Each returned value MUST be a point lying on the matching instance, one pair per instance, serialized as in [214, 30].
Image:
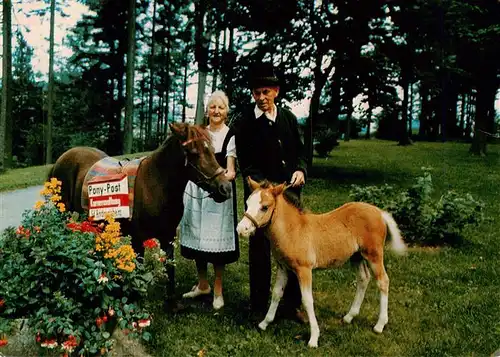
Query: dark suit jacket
[270, 151]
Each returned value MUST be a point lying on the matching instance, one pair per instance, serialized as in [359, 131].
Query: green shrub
[73, 281]
[421, 219]
[324, 142]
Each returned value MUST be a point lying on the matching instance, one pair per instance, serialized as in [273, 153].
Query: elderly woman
[208, 229]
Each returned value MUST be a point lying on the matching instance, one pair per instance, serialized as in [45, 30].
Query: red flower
[23, 231]
[150, 243]
[2, 302]
[70, 344]
[3, 342]
[98, 322]
[38, 338]
[85, 226]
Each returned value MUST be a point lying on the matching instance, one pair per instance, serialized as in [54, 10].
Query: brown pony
[303, 241]
[159, 185]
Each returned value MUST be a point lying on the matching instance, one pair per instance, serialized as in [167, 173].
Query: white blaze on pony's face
[260, 207]
[246, 227]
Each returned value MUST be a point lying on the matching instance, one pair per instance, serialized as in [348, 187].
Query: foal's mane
[288, 195]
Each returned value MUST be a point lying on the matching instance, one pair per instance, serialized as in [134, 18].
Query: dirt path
[14, 203]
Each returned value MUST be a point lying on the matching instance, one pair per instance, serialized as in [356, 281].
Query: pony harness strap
[108, 187]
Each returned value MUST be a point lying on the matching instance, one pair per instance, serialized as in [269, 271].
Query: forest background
[415, 70]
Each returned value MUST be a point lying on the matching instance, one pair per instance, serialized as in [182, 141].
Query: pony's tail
[397, 243]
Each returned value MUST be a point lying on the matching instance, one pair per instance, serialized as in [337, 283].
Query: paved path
[14, 203]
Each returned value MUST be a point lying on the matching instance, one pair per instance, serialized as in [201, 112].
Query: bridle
[254, 221]
[206, 177]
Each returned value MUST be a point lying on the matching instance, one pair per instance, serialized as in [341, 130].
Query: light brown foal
[303, 241]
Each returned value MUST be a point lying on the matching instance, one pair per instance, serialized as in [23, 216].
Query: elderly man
[269, 147]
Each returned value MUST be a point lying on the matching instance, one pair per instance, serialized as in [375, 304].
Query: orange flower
[3, 342]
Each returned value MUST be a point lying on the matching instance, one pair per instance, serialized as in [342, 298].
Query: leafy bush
[324, 142]
[422, 219]
[73, 281]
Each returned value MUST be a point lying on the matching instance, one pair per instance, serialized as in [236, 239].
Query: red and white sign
[109, 194]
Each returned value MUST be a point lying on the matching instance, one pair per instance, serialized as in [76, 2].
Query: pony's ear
[253, 184]
[277, 190]
[179, 130]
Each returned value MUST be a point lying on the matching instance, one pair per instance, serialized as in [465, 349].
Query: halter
[219, 171]
[254, 221]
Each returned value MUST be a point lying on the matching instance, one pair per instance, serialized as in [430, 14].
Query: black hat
[262, 75]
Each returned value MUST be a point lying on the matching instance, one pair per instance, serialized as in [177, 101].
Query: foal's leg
[278, 289]
[362, 283]
[305, 281]
[380, 274]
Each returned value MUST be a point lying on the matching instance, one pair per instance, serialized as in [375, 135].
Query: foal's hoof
[348, 319]
[263, 326]
[378, 329]
[313, 344]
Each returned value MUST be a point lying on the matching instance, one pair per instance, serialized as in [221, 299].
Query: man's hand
[298, 179]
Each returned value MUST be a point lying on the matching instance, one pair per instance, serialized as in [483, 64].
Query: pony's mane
[288, 195]
[197, 136]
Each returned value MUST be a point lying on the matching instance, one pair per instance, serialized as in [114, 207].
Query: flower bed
[73, 280]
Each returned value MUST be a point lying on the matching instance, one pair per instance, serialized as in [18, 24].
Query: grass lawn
[442, 302]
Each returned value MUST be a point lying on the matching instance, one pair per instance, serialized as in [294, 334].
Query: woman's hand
[230, 175]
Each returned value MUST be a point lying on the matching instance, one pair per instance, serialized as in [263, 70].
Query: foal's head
[260, 206]
[202, 166]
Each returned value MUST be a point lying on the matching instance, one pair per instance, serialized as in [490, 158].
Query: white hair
[218, 94]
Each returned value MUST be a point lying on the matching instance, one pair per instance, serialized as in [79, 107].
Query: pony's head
[260, 206]
[201, 164]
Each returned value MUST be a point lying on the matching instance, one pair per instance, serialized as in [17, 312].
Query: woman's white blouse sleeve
[231, 147]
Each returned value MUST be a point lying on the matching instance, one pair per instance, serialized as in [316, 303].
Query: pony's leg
[278, 289]
[305, 281]
[377, 266]
[362, 283]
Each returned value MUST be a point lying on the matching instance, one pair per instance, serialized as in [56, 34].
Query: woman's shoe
[218, 302]
[195, 291]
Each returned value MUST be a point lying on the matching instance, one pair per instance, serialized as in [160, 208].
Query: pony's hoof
[313, 344]
[348, 318]
[263, 326]
[218, 302]
[378, 328]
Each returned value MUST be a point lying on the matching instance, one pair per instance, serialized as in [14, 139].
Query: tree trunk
[463, 105]
[129, 108]
[184, 85]
[424, 108]
[167, 88]
[202, 38]
[149, 121]
[50, 112]
[229, 63]
[5, 113]
[369, 122]
[347, 136]
[485, 112]
[215, 69]
[404, 139]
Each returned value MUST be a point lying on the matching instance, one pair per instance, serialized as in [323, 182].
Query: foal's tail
[397, 243]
